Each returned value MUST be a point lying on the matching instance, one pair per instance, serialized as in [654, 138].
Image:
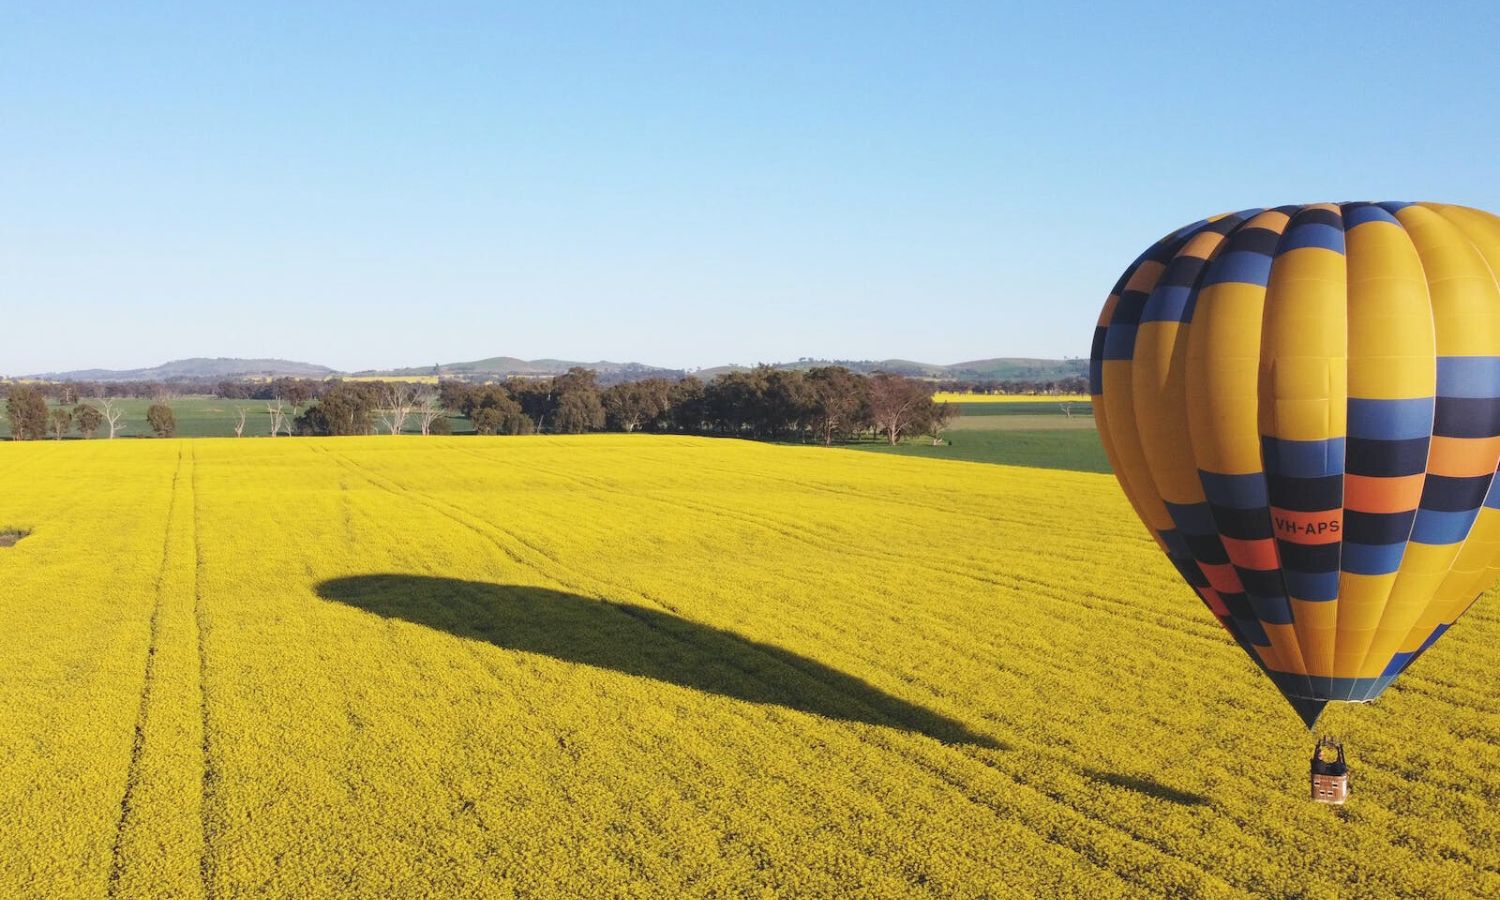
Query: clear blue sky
[688, 184]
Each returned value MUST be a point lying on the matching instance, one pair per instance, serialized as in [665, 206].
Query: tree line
[30, 417]
[823, 404]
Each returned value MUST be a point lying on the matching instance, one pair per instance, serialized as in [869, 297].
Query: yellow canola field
[659, 666]
[955, 397]
[410, 379]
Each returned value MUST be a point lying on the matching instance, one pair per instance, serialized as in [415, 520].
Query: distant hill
[197, 367]
[998, 369]
[505, 366]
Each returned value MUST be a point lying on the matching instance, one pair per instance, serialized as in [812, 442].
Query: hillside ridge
[996, 368]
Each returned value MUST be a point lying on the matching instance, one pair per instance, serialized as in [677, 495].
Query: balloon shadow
[1148, 787]
[639, 641]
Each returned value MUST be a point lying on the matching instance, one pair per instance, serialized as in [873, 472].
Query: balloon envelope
[1303, 406]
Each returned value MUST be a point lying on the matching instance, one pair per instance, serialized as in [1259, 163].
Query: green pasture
[1047, 436]
[196, 417]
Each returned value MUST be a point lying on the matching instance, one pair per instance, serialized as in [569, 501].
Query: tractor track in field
[1173, 624]
[947, 509]
[143, 711]
[794, 533]
[488, 664]
[1178, 625]
[789, 532]
[209, 797]
[971, 771]
[1041, 519]
[963, 754]
[577, 581]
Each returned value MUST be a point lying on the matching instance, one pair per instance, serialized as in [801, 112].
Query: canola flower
[958, 397]
[409, 379]
[663, 666]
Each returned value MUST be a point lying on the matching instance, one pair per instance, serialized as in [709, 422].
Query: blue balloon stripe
[1357, 214]
[1468, 376]
[1386, 459]
[1439, 527]
[1315, 235]
[1235, 491]
[1096, 361]
[1167, 304]
[1240, 267]
[1119, 343]
[1315, 586]
[1390, 420]
[1373, 559]
[1192, 518]
[1303, 459]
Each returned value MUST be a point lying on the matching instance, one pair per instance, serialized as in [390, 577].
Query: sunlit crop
[411, 379]
[635, 665]
[955, 397]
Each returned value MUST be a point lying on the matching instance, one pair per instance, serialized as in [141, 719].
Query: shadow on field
[637, 641]
[1149, 787]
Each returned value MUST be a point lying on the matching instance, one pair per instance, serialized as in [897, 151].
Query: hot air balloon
[1303, 406]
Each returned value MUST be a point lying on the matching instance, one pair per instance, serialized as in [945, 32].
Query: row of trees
[31, 419]
[825, 404]
[69, 393]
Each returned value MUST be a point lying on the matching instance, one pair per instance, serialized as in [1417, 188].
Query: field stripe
[1011, 583]
[577, 580]
[138, 742]
[208, 787]
[157, 844]
[957, 639]
[769, 720]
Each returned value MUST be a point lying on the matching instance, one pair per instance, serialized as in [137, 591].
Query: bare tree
[898, 403]
[939, 418]
[429, 408]
[396, 401]
[295, 392]
[281, 419]
[239, 423]
[112, 416]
